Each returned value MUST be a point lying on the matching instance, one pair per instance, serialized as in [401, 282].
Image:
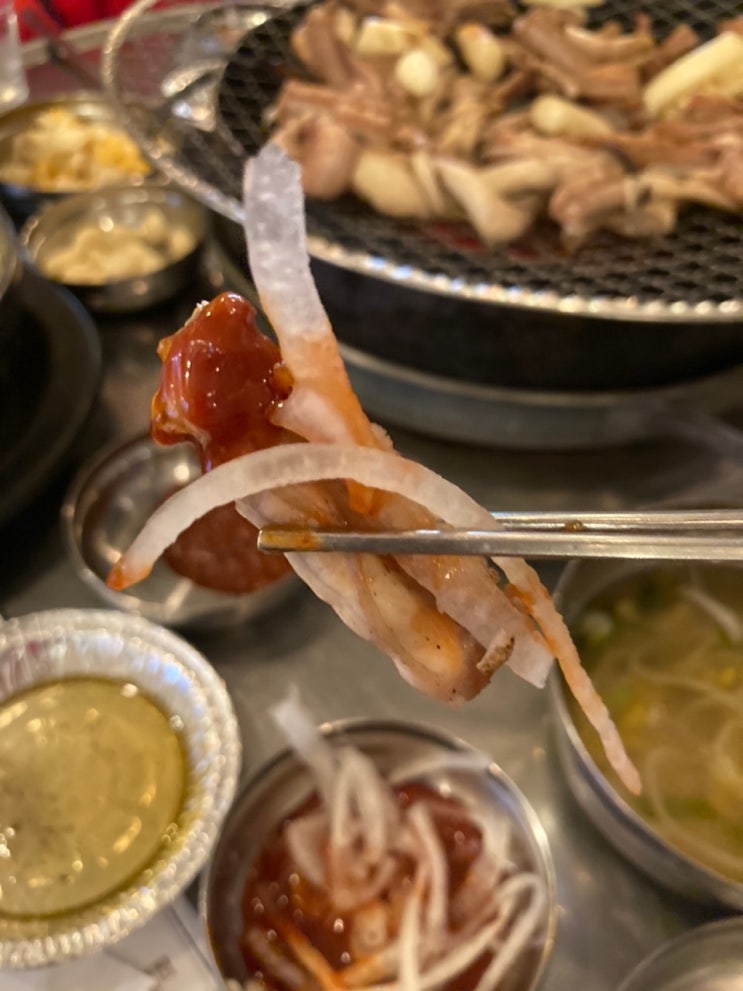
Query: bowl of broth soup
[663, 644]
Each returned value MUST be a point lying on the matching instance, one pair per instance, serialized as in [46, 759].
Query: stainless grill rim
[599, 306]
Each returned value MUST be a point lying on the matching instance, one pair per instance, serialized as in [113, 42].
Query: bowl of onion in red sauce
[381, 855]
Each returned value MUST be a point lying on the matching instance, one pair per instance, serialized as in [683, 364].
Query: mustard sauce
[92, 782]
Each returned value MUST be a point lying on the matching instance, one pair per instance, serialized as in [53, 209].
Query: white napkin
[168, 954]
[172, 949]
[98, 973]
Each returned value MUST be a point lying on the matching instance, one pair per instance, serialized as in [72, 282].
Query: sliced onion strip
[521, 932]
[322, 405]
[370, 793]
[294, 464]
[455, 961]
[342, 828]
[436, 911]
[305, 838]
[274, 226]
[293, 720]
[410, 942]
[720, 614]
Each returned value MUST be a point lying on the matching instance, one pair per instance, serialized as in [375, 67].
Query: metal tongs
[667, 535]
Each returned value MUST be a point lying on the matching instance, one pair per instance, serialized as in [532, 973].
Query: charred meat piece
[445, 13]
[579, 62]
[326, 151]
[454, 110]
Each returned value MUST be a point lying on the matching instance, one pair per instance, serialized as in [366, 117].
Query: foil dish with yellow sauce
[92, 782]
[119, 755]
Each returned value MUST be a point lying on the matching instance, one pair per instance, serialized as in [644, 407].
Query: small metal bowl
[630, 834]
[119, 206]
[107, 505]
[285, 783]
[23, 201]
[708, 958]
[66, 643]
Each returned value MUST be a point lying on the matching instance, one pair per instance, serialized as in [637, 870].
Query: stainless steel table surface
[610, 916]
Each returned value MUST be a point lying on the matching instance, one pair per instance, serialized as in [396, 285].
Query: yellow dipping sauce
[665, 650]
[92, 781]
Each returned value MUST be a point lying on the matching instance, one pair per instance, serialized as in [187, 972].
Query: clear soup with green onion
[665, 650]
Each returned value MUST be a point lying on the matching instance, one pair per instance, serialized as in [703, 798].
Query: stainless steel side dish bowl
[399, 802]
[664, 646]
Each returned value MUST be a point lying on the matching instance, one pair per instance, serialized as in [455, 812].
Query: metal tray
[610, 916]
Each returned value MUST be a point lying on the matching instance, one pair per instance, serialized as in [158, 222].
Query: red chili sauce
[278, 901]
[219, 551]
[221, 379]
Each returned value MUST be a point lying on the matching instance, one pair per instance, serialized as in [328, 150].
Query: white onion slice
[410, 938]
[305, 839]
[294, 464]
[523, 929]
[456, 959]
[369, 794]
[307, 742]
[273, 226]
[438, 874]
[322, 405]
[342, 829]
[725, 618]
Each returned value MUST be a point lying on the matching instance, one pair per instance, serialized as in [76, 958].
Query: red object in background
[67, 13]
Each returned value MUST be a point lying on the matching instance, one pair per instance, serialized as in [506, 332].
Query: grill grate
[693, 274]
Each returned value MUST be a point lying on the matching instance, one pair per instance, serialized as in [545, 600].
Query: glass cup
[13, 86]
